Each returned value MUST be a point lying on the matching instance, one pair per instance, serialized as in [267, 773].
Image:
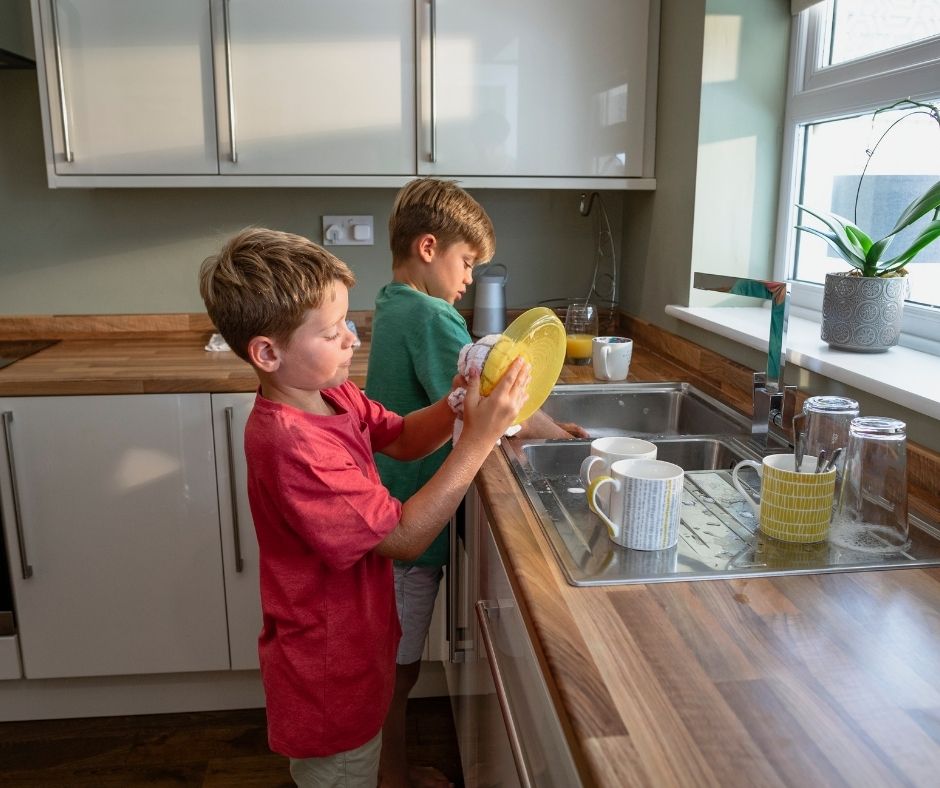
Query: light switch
[347, 231]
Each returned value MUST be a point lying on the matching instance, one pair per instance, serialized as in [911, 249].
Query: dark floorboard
[217, 749]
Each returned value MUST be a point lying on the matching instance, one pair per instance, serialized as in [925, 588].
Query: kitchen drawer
[527, 709]
[10, 666]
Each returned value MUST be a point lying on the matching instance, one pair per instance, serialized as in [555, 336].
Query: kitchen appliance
[489, 301]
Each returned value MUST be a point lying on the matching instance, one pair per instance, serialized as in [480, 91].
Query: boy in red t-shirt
[326, 526]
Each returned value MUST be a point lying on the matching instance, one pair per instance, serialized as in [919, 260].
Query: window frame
[816, 93]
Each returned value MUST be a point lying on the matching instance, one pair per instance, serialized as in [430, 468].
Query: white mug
[645, 503]
[606, 451]
[611, 357]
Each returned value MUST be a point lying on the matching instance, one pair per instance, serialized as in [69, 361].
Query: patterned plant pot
[862, 313]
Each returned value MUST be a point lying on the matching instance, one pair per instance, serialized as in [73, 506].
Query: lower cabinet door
[112, 527]
[239, 544]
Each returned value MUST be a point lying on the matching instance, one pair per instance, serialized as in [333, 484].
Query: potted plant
[862, 308]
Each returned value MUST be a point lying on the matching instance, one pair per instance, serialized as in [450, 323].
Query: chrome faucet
[773, 402]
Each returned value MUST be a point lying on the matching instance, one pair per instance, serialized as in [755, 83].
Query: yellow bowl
[539, 337]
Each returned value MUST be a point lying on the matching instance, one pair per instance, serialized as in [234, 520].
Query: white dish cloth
[473, 356]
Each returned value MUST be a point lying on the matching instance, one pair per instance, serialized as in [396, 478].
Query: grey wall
[74, 251]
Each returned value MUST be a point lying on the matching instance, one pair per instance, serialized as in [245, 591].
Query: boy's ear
[264, 354]
[426, 246]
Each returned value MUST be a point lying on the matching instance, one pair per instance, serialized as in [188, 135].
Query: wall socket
[348, 231]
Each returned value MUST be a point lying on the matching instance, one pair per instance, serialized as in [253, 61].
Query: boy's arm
[426, 512]
[541, 425]
[424, 431]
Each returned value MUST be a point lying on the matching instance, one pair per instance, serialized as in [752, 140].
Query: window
[848, 59]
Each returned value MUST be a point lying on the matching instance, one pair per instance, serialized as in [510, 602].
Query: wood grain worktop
[802, 680]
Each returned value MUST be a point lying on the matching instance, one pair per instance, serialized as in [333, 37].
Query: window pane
[864, 27]
[905, 165]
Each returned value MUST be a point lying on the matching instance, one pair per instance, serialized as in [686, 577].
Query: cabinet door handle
[432, 41]
[230, 442]
[60, 79]
[454, 653]
[229, 89]
[25, 568]
[483, 609]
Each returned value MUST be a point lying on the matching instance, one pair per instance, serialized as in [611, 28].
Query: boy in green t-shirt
[437, 234]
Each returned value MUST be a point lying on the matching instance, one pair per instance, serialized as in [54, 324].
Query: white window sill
[904, 376]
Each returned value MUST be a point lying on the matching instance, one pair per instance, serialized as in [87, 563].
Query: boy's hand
[489, 417]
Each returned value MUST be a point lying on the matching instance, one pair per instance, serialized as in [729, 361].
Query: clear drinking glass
[825, 422]
[871, 515]
[580, 328]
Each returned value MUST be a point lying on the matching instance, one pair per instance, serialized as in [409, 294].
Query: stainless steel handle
[25, 568]
[454, 652]
[230, 90]
[230, 440]
[483, 609]
[431, 44]
[60, 79]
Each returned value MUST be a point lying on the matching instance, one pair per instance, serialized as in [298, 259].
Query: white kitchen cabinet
[239, 544]
[127, 86]
[545, 88]
[507, 728]
[316, 88]
[529, 94]
[112, 527]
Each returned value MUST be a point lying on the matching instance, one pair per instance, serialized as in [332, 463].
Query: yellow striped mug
[793, 506]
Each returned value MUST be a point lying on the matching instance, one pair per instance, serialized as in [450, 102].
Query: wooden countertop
[799, 680]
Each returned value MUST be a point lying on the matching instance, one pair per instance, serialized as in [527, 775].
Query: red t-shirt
[330, 628]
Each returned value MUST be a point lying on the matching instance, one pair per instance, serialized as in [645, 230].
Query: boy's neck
[307, 401]
[410, 273]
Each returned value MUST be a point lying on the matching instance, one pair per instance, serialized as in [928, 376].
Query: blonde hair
[262, 283]
[443, 209]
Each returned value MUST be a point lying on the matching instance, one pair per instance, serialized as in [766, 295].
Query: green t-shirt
[415, 342]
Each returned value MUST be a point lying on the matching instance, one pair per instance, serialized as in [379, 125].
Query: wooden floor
[223, 748]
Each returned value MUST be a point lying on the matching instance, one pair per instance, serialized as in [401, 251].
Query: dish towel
[473, 356]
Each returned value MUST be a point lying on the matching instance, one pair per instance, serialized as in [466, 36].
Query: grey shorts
[357, 768]
[415, 592]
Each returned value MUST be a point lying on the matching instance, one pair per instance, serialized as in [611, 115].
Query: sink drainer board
[718, 536]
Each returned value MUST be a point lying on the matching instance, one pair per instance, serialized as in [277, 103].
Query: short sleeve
[383, 424]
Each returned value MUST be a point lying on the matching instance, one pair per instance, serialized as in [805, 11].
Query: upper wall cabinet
[128, 87]
[534, 88]
[533, 93]
[324, 88]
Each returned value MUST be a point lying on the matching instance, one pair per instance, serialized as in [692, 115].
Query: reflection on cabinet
[129, 86]
[112, 531]
[534, 87]
[316, 88]
[535, 93]
[239, 545]
[507, 727]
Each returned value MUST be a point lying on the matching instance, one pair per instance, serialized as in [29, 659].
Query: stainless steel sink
[644, 409]
[719, 537]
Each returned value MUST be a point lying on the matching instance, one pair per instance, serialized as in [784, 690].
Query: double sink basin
[719, 535]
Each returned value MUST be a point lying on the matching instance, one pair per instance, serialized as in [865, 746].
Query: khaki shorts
[357, 768]
[415, 592]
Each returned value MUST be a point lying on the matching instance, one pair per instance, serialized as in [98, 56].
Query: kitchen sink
[719, 535]
[643, 409]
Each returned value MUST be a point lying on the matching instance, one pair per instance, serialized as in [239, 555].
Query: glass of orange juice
[580, 328]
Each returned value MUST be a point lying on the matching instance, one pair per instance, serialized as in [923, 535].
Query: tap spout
[778, 295]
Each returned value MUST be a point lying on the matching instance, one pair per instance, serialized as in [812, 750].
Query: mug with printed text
[645, 503]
